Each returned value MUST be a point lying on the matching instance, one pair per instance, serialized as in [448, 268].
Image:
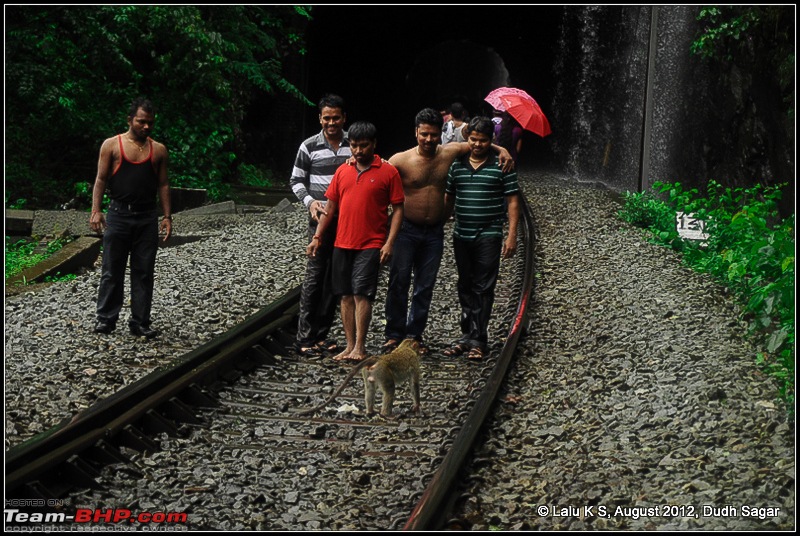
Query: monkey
[386, 372]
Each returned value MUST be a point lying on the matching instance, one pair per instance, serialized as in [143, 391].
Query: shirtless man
[420, 243]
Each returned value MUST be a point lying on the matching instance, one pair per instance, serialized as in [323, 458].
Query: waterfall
[601, 75]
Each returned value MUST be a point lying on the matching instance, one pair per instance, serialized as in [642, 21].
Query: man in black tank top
[133, 167]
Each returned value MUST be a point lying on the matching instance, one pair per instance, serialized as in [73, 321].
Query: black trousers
[317, 302]
[478, 263]
[131, 235]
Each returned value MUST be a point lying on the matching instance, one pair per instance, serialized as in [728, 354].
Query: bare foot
[356, 356]
[344, 356]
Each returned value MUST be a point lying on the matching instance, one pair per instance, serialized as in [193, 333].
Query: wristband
[167, 218]
[317, 237]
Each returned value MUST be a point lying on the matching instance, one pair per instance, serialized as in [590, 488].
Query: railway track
[226, 416]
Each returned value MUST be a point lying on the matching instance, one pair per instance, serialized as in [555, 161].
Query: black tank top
[134, 182]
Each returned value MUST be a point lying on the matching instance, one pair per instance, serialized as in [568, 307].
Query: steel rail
[429, 513]
[108, 417]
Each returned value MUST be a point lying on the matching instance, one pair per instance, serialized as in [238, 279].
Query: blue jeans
[131, 235]
[417, 250]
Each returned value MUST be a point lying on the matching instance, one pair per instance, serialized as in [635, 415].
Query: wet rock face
[636, 390]
[726, 119]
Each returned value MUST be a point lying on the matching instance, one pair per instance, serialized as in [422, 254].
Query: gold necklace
[140, 147]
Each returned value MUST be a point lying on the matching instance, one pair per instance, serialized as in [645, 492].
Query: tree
[72, 71]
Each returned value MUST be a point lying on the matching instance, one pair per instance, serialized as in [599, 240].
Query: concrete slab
[80, 253]
[19, 222]
[61, 222]
[225, 207]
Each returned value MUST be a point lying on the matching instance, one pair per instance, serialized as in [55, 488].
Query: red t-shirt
[363, 199]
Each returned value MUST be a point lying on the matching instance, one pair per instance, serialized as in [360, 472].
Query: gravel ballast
[636, 403]
[636, 387]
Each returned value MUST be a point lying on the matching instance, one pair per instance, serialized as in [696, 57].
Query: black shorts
[355, 271]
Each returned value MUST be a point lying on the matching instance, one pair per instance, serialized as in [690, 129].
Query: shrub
[749, 249]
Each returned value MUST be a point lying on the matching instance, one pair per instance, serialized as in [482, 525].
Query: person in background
[445, 114]
[509, 135]
[479, 192]
[360, 194]
[317, 160]
[133, 167]
[452, 129]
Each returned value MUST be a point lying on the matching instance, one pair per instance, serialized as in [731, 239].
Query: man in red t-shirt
[360, 192]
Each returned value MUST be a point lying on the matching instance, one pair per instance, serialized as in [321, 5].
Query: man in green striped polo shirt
[480, 194]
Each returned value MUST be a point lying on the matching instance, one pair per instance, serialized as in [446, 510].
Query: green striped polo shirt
[480, 194]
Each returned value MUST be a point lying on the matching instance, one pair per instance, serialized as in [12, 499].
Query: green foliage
[749, 249]
[59, 278]
[723, 26]
[22, 254]
[647, 211]
[250, 175]
[71, 72]
[19, 204]
[760, 39]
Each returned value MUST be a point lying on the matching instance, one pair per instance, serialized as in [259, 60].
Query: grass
[21, 255]
[749, 250]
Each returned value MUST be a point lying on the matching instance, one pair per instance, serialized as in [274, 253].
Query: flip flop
[327, 346]
[307, 351]
[390, 345]
[456, 350]
[475, 353]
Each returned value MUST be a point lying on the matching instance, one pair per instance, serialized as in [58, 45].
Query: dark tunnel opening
[388, 62]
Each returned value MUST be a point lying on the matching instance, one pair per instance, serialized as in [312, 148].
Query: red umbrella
[521, 107]
[493, 97]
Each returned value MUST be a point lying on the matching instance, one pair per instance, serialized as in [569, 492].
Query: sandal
[307, 351]
[390, 345]
[475, 353]
[327, 346]
[456, 350]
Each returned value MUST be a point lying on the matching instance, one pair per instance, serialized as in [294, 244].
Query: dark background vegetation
[235, 86]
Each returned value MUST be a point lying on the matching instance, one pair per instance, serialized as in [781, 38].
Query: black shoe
[143, 331]
[103, 327]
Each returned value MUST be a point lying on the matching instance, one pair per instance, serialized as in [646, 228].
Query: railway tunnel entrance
[627, 101]
[388, 62]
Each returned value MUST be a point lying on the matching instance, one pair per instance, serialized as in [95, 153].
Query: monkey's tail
[367, 362]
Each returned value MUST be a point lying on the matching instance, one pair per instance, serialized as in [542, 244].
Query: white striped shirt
[314, 166]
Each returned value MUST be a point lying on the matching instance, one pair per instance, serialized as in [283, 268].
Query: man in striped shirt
[478, 191]
[317, 160]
